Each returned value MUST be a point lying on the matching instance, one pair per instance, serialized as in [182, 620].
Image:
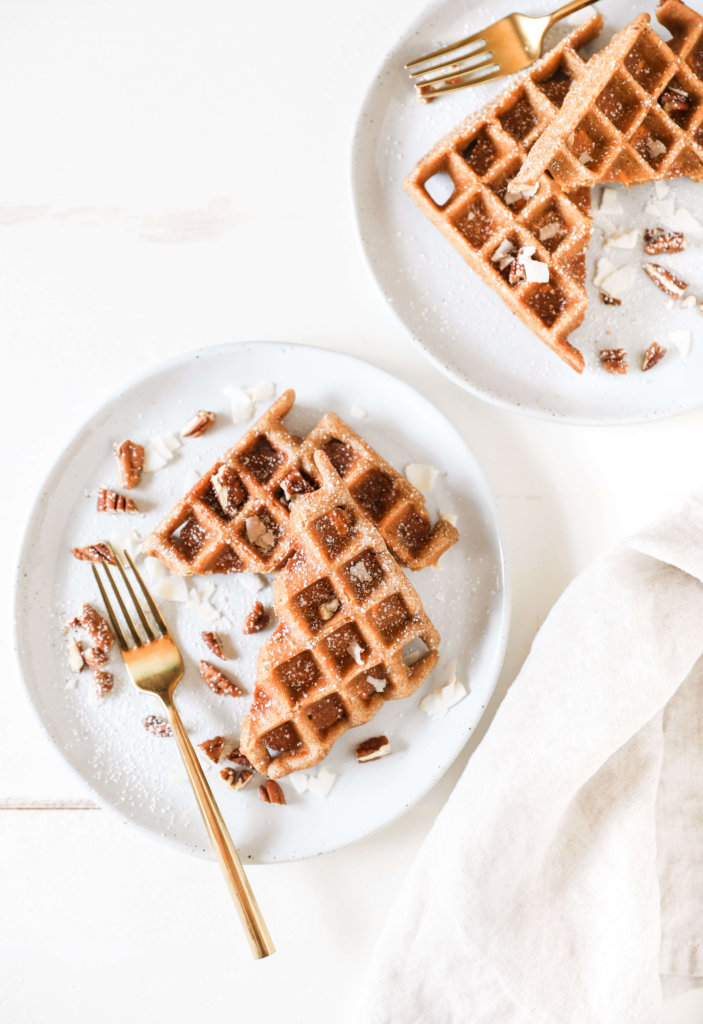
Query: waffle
[349, 620]
[261, 475]
[481, 156]
[637, 115]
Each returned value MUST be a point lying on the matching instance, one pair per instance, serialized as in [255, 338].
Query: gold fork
[155, 666]
[509, 45]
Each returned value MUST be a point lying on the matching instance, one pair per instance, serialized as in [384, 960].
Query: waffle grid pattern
[198, 537]
[481, 156]
[310, 686]
[616, 120]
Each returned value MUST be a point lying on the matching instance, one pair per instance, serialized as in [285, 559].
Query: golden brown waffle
[481, 156]
[262, 473]
[636, 116]
[395, 506]
[349, 620]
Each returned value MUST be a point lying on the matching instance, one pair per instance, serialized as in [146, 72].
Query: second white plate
[460, 323]
[141, 777]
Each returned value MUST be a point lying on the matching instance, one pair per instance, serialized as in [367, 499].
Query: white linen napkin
[565, 873]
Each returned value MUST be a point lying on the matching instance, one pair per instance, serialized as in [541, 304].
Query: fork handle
[566, 10]
[232, 869]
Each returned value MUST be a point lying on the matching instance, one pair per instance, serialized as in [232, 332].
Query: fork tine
[111, 615]
[487, 63]
[142, 617]
[462, 85]
[451, 62]
[149, 599]
[478, 37]
[136, 637]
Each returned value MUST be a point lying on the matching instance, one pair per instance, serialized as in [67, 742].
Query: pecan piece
[111, 501]
[213, 748]
[130, 459]
[95, 626]
[609, 300]
[104, 682]
[669, 283]
[239, 758]
[95, 657]
[614, 360]
[271, 793]
[372, 749]
[157, 726]
[295, 484]
[198, 424]
[229, 490]
[659, 240]
[237, 780]
[674, 101]
[94, 553]
[328, 609]
[218, 681]
[256, 620]
[652, 356]
[212, 641]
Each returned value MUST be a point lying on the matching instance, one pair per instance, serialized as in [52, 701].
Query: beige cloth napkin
[564, 876]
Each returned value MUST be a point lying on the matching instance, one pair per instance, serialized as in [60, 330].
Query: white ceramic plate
[141, 777]
[461, 323]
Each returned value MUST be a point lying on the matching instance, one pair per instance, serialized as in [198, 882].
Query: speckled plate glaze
[141, 777]
[459, 322]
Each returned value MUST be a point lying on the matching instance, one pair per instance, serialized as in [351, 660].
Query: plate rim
[356, 191]
[30, 690]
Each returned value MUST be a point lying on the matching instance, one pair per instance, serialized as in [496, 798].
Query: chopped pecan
[94, 553]
[614, 360]
[103, 682]
[239, 758]
[669, 283]
[212, 641]
[372, 749]
[95, 657]
[609, 300]
[658, 240]
[95, 626]
[229, 489]
[516, 271]
[130, 459]
[213, 748]
[271, 793]
[294, 485]
[328, 609]
[111, 501]
[652, 356]
[256, 620]
[198, 424]
[157, 726]
[218, 681]
[674, 101]
[237, 780]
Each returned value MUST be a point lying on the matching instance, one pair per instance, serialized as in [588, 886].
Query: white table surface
[175, 175]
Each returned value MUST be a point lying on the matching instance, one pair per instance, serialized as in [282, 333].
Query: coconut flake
[262, 392]
[437, 703]
[603, 269]
[73, 652]
[299, 781]
[449, 517]
[661, 189]
[610, 202]
[623, 240]
[129, 541]
[684, 221]
[159, 450]
[252, 582]
[156, 570]
[504, 254]
[655, 147]
[586, 157]
[192, 478]
[354, 651]
[357, 412]
[689, 302]
[172, 588]
[535, 270]
[379, 683]
[549, 230]
[682, 341]
[322, 785]
[421, 476]
[662, 210]
[619, 282]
